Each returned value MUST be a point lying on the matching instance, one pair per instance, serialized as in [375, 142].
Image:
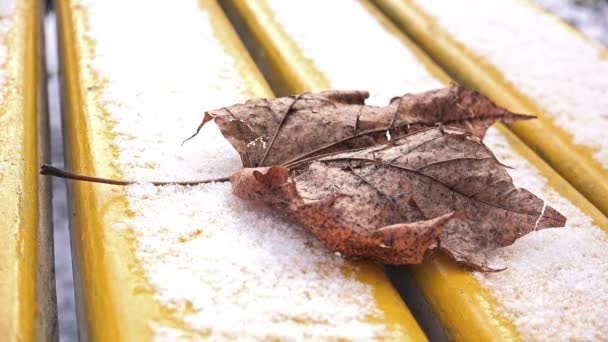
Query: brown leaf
[377, 182]
[279, 131]
[436, 188]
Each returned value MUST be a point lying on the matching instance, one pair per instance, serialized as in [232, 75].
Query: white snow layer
[7, 8]
[352, 48]
[231, 269]
[556, 286]
[558, 69]
[242, 271]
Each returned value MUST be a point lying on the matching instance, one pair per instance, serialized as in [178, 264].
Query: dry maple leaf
[436, 188]
[277, 131]
[326, 160]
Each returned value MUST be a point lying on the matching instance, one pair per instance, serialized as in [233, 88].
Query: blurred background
[589, 16]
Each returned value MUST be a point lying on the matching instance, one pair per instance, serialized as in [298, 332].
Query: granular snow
[226, 261]
[562, 72]
[352, 48]
[556, 286]
[231, 269]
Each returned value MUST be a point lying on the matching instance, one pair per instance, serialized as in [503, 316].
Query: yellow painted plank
[115, 298]
[27, 302]
[553, 143]
[466, 309]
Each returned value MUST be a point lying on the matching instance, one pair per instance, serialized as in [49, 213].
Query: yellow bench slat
[117, 296]
[556, 144]
[467, 309]
[27, 299]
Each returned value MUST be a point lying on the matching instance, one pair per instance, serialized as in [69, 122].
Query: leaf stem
[50, 170]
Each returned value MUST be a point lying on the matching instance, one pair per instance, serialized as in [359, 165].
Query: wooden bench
[27, 284]
[533, 64]
[313, 48]
[188, 262]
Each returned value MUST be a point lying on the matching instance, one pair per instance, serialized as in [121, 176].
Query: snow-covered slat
[550, 291]
[176, 262]
[531, 62]
[27, 299]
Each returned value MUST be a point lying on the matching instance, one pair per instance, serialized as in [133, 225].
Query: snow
[221, 262]
[354, 52]
[558, 69]
[228, 268]
[7, 8]
[556, 286]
